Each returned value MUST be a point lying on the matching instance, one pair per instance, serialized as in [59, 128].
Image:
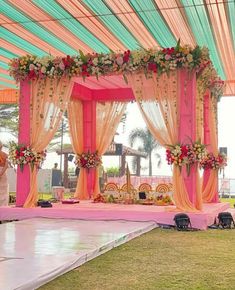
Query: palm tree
[148, 144]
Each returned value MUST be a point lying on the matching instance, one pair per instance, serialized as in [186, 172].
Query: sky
[226, 125]
[226, 122]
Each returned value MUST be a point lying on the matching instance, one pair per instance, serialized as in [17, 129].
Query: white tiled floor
[35, 251]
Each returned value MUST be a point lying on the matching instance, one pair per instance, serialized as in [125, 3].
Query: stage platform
[87, 210]
[36, 251]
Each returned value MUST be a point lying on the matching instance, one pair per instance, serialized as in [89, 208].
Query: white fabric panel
[35, 251]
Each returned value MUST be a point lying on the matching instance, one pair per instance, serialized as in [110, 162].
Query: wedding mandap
[176, 89]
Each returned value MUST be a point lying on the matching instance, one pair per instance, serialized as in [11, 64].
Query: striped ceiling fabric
[61, 27]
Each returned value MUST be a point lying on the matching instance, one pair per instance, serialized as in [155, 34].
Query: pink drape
[157, 98]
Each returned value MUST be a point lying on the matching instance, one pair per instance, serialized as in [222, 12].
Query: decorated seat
[111, 186]
[124, 187]
[145, 187]
[162, 188]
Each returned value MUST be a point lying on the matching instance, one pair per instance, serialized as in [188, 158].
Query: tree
[9, 118]
[147, 144]
[112, 171]
[9, 122]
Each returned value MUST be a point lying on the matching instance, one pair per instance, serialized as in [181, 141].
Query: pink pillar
[89, 137]
[187, 124]
[206, 173]
[23, 178]
[207, 141]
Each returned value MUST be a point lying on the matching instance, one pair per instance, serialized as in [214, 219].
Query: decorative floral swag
[211, 161]
[188, 154]
[148, 61]
[185, 154]
[22, 155]
[88, 160]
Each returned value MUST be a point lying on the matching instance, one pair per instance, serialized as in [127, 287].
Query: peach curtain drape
[49, 98]
[75, 117]
[108, 117]
[199, 136]
[157, 98]
[211, 188]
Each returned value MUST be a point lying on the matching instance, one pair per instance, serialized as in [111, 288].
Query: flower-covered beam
[148, 61]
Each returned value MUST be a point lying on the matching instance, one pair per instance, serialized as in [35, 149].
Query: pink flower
[31, 66]
[167, 57]
[61, 65]
[119, 60]
[15, 64]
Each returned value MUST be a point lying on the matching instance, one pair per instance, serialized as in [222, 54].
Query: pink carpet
[99, 211]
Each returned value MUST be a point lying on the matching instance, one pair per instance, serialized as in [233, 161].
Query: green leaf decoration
[83, 56]
[177, 48]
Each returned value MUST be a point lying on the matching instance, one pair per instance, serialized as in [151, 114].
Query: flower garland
[185, 154]
[210, 161]
[22, 155]
[210, 79]
[146, 60]
[88, 160]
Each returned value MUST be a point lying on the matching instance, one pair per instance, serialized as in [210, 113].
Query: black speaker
[142, 195]
[70, 157]
[223, 150]
[119, 149]
[44, 203]
[225, 220]
[182, 222]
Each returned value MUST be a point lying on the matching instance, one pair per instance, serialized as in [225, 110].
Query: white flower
[107, 56]
[45, 60]
[95, 70]
[158, 58]
[52, 70]
[95, 61]
[205, 52]
[137, 56]
[107, 62]
[167, 57]
[189, 57]
[43, 69]
[31, 66]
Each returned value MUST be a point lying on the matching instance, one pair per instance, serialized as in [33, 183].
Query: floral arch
[176, 88]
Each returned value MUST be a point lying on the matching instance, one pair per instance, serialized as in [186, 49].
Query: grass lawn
[231, 201]
[160, 259]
